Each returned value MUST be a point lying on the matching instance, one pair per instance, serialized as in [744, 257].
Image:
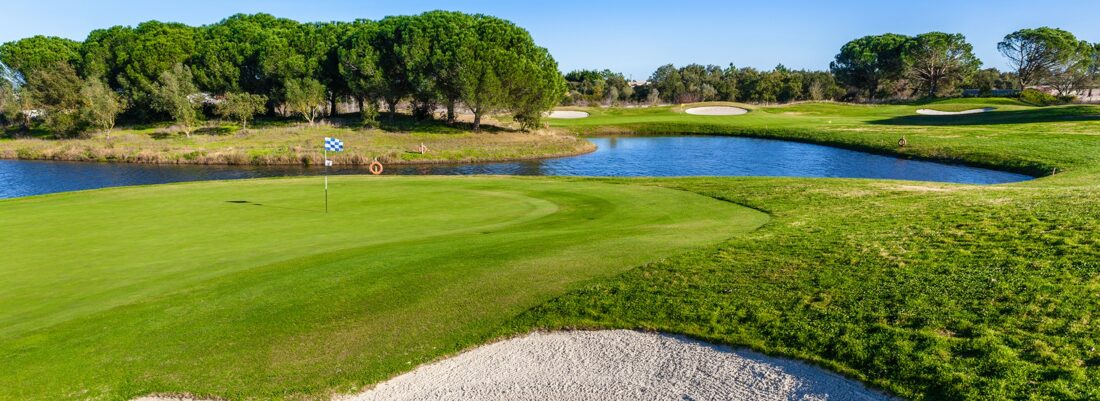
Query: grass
[248, 290]
[279, 143]
[929, 291]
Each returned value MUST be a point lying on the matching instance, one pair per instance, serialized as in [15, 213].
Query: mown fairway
[247, 289]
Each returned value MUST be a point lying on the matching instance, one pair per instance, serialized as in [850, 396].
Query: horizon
[623, 37]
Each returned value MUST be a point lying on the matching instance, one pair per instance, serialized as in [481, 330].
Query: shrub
[1039, 98]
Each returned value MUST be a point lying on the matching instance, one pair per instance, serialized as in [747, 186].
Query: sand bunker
[567, 114]
[930, 112]
[716, 111]
[615, 365]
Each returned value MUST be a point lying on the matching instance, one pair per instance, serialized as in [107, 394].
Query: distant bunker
[716, 111]
[567, 114]
[930, 112]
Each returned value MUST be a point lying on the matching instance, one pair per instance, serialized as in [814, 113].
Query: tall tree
[26, 56]
[447, 36]
[483, 79]
[1035, 52]
[938, 61]
[666, 80]
[358, 64]
[536, 86]
[865, 63]
[389, 41]
[173, 94]
[9, 101]
[1071, 74]
[54, 91]
[228, 54]
[102, 54]
[1094, 68]
[144, 56]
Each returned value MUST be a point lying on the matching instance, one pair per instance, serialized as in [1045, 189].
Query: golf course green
[248, 289]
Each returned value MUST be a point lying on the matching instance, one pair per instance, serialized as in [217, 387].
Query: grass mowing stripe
[462, 256]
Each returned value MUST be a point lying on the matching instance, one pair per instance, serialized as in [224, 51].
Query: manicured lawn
[247, 289]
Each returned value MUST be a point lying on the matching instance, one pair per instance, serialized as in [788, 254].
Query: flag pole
[326, 179]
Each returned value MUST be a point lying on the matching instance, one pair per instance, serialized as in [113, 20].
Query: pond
[623, 156]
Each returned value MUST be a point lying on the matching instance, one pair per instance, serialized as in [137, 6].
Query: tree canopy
[939, 61]
[1034, 53]
[435, 58]
[865, 63]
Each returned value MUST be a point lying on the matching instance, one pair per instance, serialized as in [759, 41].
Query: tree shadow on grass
[250, 203]
[1041, 115]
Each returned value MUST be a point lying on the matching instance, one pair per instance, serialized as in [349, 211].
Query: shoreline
[336, 161]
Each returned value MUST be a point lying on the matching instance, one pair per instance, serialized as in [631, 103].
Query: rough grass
[930, 291]
[248, 290]
[276, 143]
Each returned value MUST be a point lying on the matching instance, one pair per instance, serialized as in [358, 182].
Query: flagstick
[326, 180]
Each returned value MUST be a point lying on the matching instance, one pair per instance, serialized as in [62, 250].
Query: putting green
[246, 289]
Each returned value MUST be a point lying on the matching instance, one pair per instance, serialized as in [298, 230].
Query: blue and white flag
[334, 145]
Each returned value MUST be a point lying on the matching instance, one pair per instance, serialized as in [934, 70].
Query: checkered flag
[334, 145]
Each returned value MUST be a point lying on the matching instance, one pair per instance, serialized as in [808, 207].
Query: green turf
[248, 289]
[930, 291]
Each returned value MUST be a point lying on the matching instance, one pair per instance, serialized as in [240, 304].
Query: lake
[618, 157]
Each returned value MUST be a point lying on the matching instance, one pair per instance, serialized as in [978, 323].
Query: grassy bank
[931, 291]
[282, 144]
[1014, 137]
[248, 290]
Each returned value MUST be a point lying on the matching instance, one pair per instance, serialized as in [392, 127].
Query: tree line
[250, 64]
[871, 68]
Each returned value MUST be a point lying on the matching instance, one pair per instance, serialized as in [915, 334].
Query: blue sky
[632, 37]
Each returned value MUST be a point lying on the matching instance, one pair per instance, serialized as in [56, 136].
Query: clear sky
[633, 37]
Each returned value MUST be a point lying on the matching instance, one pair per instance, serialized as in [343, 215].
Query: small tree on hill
[172, 95]
[101, 106]
[306, 98]
[241, 107]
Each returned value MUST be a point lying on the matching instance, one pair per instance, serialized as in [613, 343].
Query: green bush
[1039, 98]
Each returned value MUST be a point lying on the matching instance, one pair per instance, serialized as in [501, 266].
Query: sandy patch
[716, 111]
[615, 365]
[169, 398]
[569, 114]
[930, 112]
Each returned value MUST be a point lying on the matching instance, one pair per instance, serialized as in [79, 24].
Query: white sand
[615, 365]
[716, 111]
[567, 114]
[930, 112]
